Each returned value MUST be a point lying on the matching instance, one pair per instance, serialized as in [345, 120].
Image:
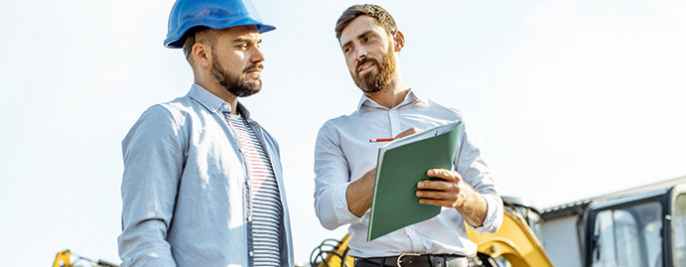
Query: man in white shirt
[345, 160]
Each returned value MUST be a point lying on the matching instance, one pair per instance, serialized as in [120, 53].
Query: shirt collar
[410, 98]
[213, 103]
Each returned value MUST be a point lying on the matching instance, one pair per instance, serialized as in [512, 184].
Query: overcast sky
[571, 98]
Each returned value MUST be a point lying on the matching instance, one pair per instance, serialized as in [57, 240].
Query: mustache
[253, 67]
[364, 61]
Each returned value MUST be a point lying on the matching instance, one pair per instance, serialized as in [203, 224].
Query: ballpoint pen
[381, 140]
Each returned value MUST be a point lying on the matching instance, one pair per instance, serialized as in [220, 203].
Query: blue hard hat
[216, 14]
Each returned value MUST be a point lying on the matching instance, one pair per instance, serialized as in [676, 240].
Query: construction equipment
[639, 227]
[64, 259]
[332, 252]
[643, 227]
[514, 245]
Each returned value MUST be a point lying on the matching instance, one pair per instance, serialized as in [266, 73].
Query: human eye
[368, 38]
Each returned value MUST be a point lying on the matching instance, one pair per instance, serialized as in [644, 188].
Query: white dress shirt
[343, 154]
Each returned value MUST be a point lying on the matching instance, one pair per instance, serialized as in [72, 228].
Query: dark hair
[381, 15]
[199, 34]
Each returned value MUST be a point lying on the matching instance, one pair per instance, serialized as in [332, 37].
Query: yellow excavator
[514, 245]
[64, 259]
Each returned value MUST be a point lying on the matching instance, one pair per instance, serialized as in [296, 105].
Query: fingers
[407, 132]
[437, 185]
[451, 176]
[437, 202]
[430, 194]
[440, 198]
[446, 193]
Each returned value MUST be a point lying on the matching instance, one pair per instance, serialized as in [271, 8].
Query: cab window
[628, 236]
[679, 238]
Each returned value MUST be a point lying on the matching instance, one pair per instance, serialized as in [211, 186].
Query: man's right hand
[407, 132]
[359, 192]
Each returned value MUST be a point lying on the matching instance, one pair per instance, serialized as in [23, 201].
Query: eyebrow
[358, 37]
[247, 40]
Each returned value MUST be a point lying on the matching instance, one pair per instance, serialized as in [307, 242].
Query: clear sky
[571, 98]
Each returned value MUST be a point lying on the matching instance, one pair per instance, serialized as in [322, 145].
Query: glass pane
[679, 237]
[604, 250]
[535, 224]
[654, 242]
[629, 237]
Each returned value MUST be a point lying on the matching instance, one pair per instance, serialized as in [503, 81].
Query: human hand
[451, 191]
[407, 132]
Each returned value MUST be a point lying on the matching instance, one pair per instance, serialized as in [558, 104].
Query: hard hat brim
[176, 40]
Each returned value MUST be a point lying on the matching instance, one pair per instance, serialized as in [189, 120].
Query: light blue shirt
[343, 154]
[184, 187]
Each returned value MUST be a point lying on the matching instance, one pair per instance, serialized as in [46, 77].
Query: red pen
[381, 140]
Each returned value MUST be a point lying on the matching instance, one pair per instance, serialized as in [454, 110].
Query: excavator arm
[64, 259]
[514, 243]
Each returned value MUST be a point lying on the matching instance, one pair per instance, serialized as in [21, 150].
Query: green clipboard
[401, 164]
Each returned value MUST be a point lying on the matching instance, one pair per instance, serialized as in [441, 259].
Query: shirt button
[251, 253]
[226, 106]
[392, 111]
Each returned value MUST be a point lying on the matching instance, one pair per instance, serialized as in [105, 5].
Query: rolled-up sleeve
[153, 152]
[331, 181]
[471, 165]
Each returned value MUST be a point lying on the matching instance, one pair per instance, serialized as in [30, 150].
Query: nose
[360, 52]
[257, 56]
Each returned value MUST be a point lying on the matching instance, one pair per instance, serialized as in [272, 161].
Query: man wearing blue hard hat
[202, 183]
[345, 165]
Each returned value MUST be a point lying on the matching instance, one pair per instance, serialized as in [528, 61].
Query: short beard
[235, 84]
[374, 83]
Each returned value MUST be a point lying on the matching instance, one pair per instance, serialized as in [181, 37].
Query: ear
[202, 54]
[399, 40]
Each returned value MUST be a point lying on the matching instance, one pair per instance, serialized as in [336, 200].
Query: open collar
[213, 103]
[410, 98]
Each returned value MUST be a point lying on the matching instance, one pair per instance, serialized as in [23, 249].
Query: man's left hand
[453, 192]
[450, 192]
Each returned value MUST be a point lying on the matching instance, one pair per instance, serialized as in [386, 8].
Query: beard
[236, 84]
[370, 83]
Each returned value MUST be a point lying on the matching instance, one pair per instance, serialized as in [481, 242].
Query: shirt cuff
[343, 214]
[494, 215]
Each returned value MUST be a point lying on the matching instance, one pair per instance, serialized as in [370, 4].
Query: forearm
[142, 246]
[483, 217]
[146, 215]
[473, 209]
[359, 194]
[147, 205]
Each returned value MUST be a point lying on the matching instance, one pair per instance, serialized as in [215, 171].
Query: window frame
[678, 190]
[663, 197]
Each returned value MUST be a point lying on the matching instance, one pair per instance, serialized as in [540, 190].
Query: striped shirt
[264, 204]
